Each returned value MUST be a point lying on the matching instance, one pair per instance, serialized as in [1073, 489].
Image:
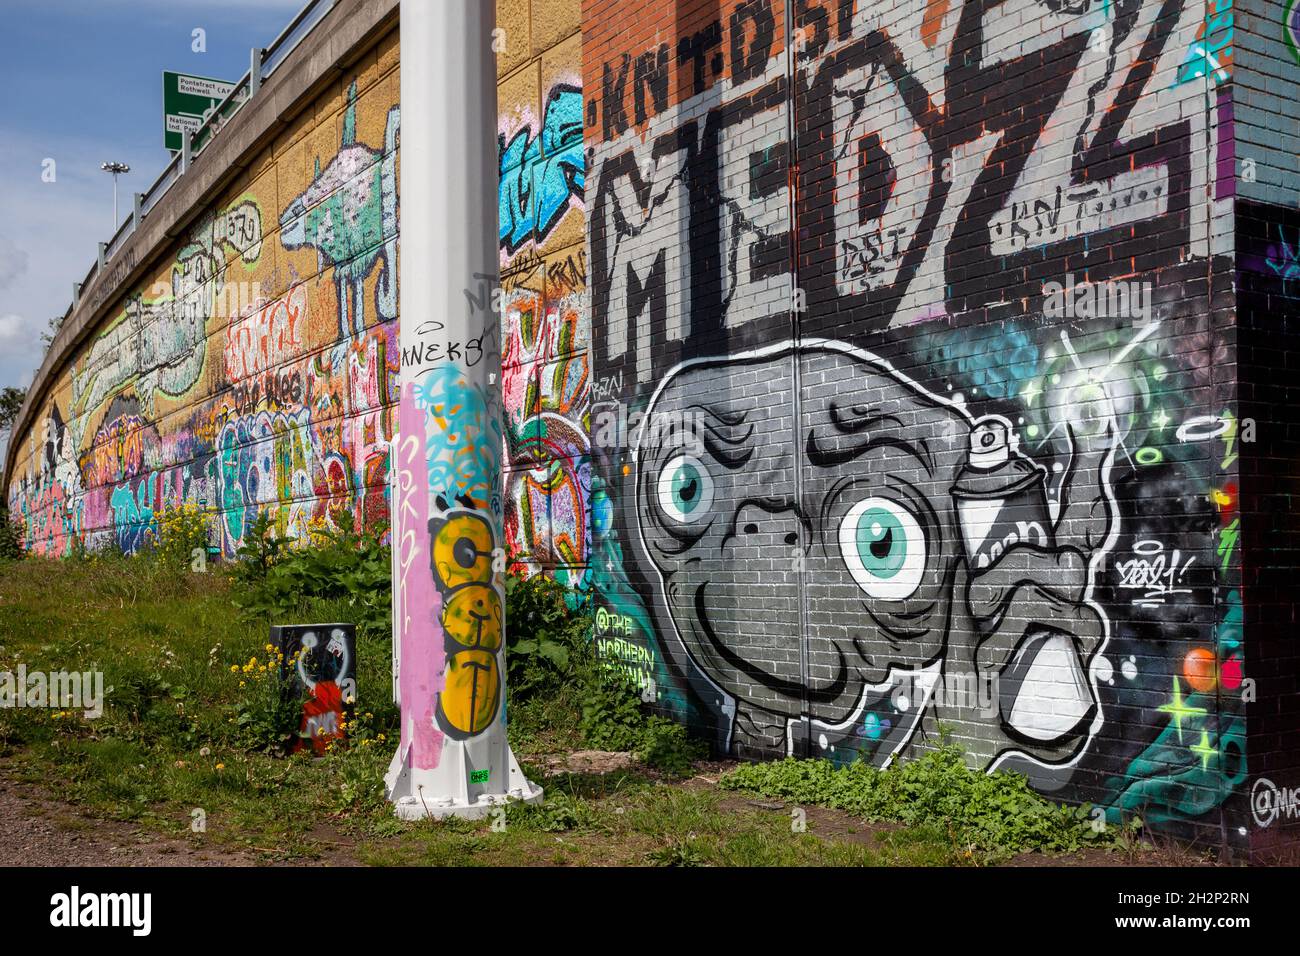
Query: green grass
[166, 641]
[168, 745]
[637, 822]
[993, 814]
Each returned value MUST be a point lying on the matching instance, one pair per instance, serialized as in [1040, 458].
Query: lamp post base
[450, 790]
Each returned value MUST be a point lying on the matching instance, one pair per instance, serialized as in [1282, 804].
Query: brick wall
[546, 334]
[254, 368]
[1265, 102]
[815, 280]
[1268, 309]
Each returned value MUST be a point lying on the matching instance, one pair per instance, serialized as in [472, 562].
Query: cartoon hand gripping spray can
[1001, 499]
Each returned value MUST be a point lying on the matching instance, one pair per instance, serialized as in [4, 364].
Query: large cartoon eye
[685, 488]
[884, 548]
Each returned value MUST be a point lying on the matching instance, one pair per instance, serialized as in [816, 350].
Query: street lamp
[115, 168]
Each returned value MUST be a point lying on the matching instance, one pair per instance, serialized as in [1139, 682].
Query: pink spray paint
[423, 657]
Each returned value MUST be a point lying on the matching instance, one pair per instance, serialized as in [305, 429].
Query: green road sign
[186, 101]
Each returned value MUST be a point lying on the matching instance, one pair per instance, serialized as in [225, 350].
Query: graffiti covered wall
[913, 407]
[255, 370]
[546, 326]
[872, 367]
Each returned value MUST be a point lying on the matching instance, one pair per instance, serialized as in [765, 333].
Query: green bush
[266, 715]
[276, 580]
[178, 533]
[260, 549]
[555, 679]
[11, 537]
[996, 813]
[547, 643]
[612, 718]
[665, 745]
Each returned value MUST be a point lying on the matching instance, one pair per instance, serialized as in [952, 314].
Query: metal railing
[263, 62]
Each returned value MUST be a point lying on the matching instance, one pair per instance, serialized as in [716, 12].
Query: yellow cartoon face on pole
[462, 550]
[471, 622]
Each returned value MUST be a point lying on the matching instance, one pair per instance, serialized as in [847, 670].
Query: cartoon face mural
[966, 449]
[471, 618]
[903, 540]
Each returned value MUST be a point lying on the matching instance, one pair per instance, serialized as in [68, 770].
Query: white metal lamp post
[115, 169]
[449, 562]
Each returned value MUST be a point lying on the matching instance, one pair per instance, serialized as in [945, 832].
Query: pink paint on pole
[422, 653]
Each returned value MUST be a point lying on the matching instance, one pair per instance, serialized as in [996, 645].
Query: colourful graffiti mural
[545, 323]
[249, 372]
[547, 386]
[541, 174]
[348, 215]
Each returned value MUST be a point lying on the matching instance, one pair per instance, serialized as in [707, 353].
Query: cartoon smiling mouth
[826, 692]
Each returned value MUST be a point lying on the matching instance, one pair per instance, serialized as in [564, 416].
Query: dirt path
[38, 830]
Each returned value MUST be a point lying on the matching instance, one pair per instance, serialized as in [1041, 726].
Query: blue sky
[82, 84]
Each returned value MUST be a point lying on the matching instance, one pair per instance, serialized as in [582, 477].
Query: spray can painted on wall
[1001, 496]
[1043, 691]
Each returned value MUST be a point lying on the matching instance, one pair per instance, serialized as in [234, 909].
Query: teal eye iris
[685, 488]
[882, 542]
[883, 547]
